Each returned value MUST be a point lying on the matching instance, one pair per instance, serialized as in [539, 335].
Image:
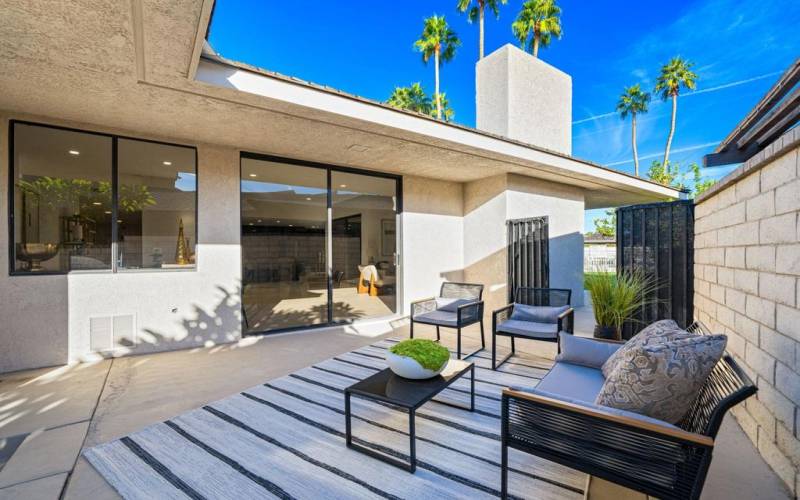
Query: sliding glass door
[364, 245]
[284, 250]
[318, 244]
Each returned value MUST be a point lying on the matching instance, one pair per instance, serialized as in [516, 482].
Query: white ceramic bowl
[409, 367]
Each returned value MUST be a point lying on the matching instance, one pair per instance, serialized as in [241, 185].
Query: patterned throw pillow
[659, 332]
[662, 381]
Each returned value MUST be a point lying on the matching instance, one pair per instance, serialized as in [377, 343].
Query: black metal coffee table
[409, 395]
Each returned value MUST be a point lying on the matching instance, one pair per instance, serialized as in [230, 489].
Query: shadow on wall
[566, 271]
[222, 324]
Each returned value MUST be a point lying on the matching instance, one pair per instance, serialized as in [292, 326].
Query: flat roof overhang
[154, 83]
[350, 130]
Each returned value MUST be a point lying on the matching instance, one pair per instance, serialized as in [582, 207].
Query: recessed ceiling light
[250, 224]
[108, 212]
[291, 225]
[278, 221]
[342, 185]
[259, 220]
[74, 152]
[253, 175]
[96, 203]
[308, 198]
[167, 163]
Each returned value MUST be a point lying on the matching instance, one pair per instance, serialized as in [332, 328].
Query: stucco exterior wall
[176, 309]
[564, 207]
[489, 203]
[432, 237]
[46, 318]
[449, 231]
[33, 309]
[524, 98]
[747, 270]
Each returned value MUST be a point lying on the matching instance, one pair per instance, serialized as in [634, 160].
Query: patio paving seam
[100, 393]
[34, 479]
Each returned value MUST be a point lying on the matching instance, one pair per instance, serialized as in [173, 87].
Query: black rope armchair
[548, 332]
[664, 461]
[458, 306]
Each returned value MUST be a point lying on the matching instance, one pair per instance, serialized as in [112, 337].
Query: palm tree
[675, 74]
[633, 101]
[439, 41]
[447, 111]
[476, 14]
[542, 19]
[412, 98]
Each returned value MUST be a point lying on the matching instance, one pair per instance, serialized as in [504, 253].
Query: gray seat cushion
[537, 314]
[438, 317]
[585, 351]
[573, 381]
[529, 329]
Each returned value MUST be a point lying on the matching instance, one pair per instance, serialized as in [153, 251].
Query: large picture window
[85, 201]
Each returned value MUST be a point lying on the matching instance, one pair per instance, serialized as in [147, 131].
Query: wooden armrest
[566, 313]
[675, 433]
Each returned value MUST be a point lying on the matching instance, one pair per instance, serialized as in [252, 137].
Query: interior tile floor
[59, 411]
[270, 306]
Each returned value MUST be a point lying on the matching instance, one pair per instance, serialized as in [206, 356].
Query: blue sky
[365, 47]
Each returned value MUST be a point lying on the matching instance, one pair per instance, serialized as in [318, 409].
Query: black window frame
[12, 257]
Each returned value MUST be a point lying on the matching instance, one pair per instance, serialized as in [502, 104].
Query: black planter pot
[605, 332]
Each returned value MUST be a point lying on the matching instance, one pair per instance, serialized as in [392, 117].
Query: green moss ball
[427, 353]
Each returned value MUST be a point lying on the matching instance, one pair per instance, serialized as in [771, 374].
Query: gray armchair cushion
[663, 380]
[529, 329]
[438, 317]
[573, 381]
[593, 406]
[537, 314]
[665, 330]
[451, 305]
[585, 351]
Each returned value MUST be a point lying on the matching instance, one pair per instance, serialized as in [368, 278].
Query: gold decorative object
[182, 250]
[35, 253]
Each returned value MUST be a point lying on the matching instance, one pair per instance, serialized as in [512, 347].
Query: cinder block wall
[747, 285]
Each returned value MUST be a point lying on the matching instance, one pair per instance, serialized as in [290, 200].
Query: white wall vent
[107, 333]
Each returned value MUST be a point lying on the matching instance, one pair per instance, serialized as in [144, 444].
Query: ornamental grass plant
[615, 298]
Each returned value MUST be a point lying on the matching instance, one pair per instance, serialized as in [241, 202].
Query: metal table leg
[348, 431]
[412, 433]
[472, 389]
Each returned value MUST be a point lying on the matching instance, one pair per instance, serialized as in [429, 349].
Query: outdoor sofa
[559, 421]
[458, 306]
[535, 314]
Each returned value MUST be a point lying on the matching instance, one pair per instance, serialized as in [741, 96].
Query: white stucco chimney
[525, 99]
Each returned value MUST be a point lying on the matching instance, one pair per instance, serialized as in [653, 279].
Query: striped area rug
[285, 439]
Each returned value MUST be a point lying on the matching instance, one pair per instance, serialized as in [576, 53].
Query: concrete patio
[66, 409]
